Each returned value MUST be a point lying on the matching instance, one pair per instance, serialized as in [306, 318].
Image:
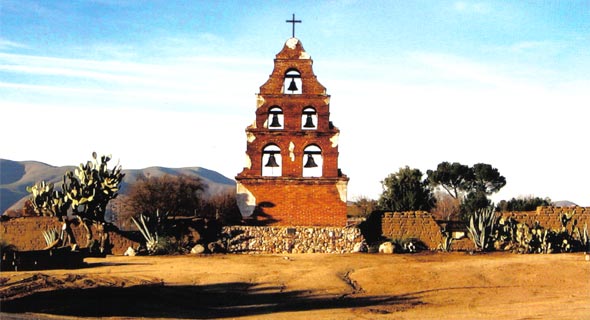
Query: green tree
[454, 178]
[486, 179]
[406, 190]
[472, 202]
[474, 183]
[529, 203]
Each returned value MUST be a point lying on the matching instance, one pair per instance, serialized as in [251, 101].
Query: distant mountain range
[15, 176]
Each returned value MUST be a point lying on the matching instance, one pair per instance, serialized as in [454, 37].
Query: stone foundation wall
[250, 239]
[26, 233]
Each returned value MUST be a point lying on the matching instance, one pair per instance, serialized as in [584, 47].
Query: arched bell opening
[272, 161]
[275, 119]
[309, 119]
[292, 83]
[313, 161]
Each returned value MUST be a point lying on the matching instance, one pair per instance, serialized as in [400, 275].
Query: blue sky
[172, 83]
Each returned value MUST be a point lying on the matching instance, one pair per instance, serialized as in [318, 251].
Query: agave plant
[445, 245]
[481, 228]
[586, 238]
[151, 241]
[52, 237]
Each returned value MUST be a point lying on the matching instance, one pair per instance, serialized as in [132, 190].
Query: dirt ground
[307, 286]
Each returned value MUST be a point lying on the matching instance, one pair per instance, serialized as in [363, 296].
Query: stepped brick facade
[291, 175]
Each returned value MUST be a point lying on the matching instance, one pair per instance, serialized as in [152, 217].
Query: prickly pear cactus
[48, 202]
[91, 186]
[84, 195]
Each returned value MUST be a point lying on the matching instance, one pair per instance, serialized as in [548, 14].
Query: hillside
[15, 176]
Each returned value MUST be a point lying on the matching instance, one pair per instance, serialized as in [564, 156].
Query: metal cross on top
[293, 22]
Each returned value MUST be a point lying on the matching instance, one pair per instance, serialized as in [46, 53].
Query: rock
[386, 247]
[130, 252]
[360, 247]
[216, 247]
[198, 249]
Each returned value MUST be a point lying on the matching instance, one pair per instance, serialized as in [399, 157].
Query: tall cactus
[91, 186]
[84, 195]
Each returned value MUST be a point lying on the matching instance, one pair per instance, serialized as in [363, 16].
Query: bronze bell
[309, 122]
[310, 162]
[272, 162]
[275, 121]
[292, 85]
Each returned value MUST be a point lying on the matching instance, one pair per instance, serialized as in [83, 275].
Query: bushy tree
[222, 206]
[447, 207]
[365, 205]
[175, 195]
[406, 190]
[529, 203]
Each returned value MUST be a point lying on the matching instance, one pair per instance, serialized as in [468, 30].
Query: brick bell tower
[291, 175]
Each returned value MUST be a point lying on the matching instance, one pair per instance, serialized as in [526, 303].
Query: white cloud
[466, 111]
[202, 83]
[67, 135]
[457, 109]
[7, 45]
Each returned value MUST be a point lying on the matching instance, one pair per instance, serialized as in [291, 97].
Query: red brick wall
[297, 202]
[291, 200]
[26, 233]
[300, 140]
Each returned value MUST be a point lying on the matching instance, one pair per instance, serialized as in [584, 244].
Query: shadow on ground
[225, 300]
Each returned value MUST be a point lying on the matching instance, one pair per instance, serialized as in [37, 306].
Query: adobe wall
[421, 225]
[26, 233]
[251, 239]
[412, 224]
[550, 217]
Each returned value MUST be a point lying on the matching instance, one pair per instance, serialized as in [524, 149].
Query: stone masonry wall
[293, 239]
[26, 233]
[412, 224]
